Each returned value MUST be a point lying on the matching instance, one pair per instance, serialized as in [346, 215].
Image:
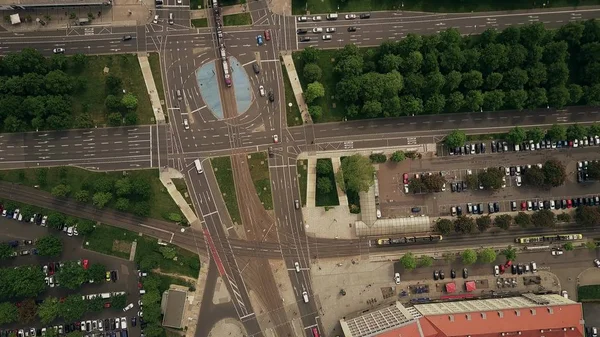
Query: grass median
[326, 198]
[240, 19]
[224, 174]
[294, 118]
[91, 98]
[439, 6]
[157, 203]
[200, 23]
[154, 61]
[259, 171]
[302, 178]
[182, 188]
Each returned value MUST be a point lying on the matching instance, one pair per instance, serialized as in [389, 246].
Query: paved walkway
[159, 115]
[311, 178]
[192, 312]
[235, 9]
[166, 177]
[288, 61]
[336, 163]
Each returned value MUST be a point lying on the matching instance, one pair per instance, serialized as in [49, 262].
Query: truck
[83, 21]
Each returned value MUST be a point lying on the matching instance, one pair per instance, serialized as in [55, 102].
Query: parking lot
[394, 202]
[127, 280]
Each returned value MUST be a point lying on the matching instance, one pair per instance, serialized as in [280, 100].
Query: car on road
[271, 96]
[297, 267]
[465, 273]
[442, 275]
[397, 278]
[597, 263]
[305, 39]
[127, 37]
[436, 275]
[365, 15]
[305, 296]
[302, 19]
[186, 124]
[107, 276]
[405, 178]
[317, 18]
[268, 35]
[352, 29]
[275, 139]
[496, 270]
[330, 30]
[326, 37]
[452, 273]
[317, 30]
[350, 16]
[171, 21]
[155, 19]
[259, 40]
[261, 90]
[301, 31]
[378, 214]
[297, 204]
[256, 68]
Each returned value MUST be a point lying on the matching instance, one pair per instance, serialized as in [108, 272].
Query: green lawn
[224, 174]
[111, 241]
[223, 3]
[331, 198]
[302, 179]
[259, 170]
[293, 115]
[91, 99]
[240, 19]
[200, 23]
[331, 6]
[588, 293]
[196, 4]
[182, 188]
[154, 61]
[160, 202]
[167, 280]
[331, 113]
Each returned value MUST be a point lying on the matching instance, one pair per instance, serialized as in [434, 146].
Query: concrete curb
[288, 62]
[159, 115]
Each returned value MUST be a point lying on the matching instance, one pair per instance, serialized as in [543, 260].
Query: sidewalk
[166, 177]
[311, 179]
[288, 61]
[336, 163]
[192, 312]
[159, 115]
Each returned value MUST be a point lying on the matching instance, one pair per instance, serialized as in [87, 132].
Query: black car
[436, 275]
[465, 273]
[127, 37]
[513, 269]
[112, 324]
[301, 31]
[133, 321]
[520, 269]
[464, 185]
[365, 15]
[107, 324]
[305, 39]
[113, 275]
[453, 273]
[271, 96]
[482, 147]
[352, 29]
[256, 68]
[442, 276]
[493, 146]
[453, 187]
[416, 209]
[477, 150]
[496, 207]
[459, 211]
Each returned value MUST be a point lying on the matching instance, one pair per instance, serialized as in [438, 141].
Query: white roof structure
[375, 322]
[15, 19]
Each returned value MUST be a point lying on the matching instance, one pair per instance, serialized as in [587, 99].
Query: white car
[44, 219]
[539, 165]
[297, 266]
[128, 307]
[275, 139]
[469, 172]
[326, 37]
[519, 181]
[179, 2]
[155, 19]
[330, 30]
[405, 188]
[261, 90]
[597, 263]
[444, 187]
[302, 19]
[317, 18]
[186, 124]
[557, 252]
[100, 327]
[507, 170]
[123, 323]
[564, 294]
[397, 278]
[553, 206]
[496, 270]
[350, 16]
[503, 182]
[58, 50]
[378, 212]
[117, 323]
[317, 30]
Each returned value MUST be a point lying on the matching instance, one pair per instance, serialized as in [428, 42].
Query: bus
[198, 166]
[227, 75]
[549, 238]
[409, 240]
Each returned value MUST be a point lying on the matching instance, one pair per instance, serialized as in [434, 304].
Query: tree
[516, 99]
[129, 102]
[313, 91]
[576, 131]
[85, 227]
[543, 218]
[416, 185]
[474, 100]
[397, 156]
[49, 245]
[487, 255]
[491, 179]
[61, 190]
[324, 185]
[444, 226]
[593, 170]
[78, 61]
[169, 253]
[493, 80]
[453, 80]
[100, 199]
[464, 225]
[564, 217]
[456, 138]
[27, 311]
[493, 100]
[554, 172]
[153, 330]
[483, 223]
[123, 187]
[516, 135]
[324, 167]
[122, 204]
[310, 55]
[49, 310]
[82, 196]
[472, 80]
[425, 261]
[408, 261]
[503, 221]
[509, 253]
[71, 275]
[97, 272]
[557, 132]
[357, 173]
[113, 85]
[536, 98]
[535, 177]
[378, 158]
[312, 72]
[575, 93]
[587, 216]
[5, 251]
[55, 220]
[435, 103]
[114, 119]
[8, 313]
[433, 182]
[455, 102]
[523, 219]
[73, 308]
[468, 257]
[411, 105]
[568, 246]
[590, 245]
[316, 112]
[120, 301]
[558, 97]
[536, 134]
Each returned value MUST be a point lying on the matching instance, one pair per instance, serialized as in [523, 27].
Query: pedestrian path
[336, 163]
[159, 115]
[288, 61]
[311, 177]
[166, 177]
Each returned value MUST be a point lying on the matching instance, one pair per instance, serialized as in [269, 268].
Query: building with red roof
[528, 315]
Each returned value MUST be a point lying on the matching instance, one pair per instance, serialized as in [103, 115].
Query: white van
[533, 267]
[70, 231]
[142, 291]
[186, 124]
[332, 16]
[198, 166]
[297, 266]
[305, 296]
[155, 19]
[171, 18]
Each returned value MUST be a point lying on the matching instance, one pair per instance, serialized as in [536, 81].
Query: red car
[107, 305]
[508, 263]
[569, 203]
[315, 332]
[268, 35]
[405, 177]
[86, 264]
[51, 268]
[140, 285]
[523, 206]
[502, 269]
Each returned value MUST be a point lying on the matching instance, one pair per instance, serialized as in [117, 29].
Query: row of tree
[48, 245]
[468, 257]
[520, 67]
[68, 309]
[37, 93]
[152, 312]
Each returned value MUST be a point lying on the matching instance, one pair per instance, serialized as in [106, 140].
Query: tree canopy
[357, 173]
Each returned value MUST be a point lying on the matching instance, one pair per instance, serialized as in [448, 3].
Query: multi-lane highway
[280, 235]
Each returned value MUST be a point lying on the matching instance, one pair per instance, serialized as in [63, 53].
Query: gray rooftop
[173, 308]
